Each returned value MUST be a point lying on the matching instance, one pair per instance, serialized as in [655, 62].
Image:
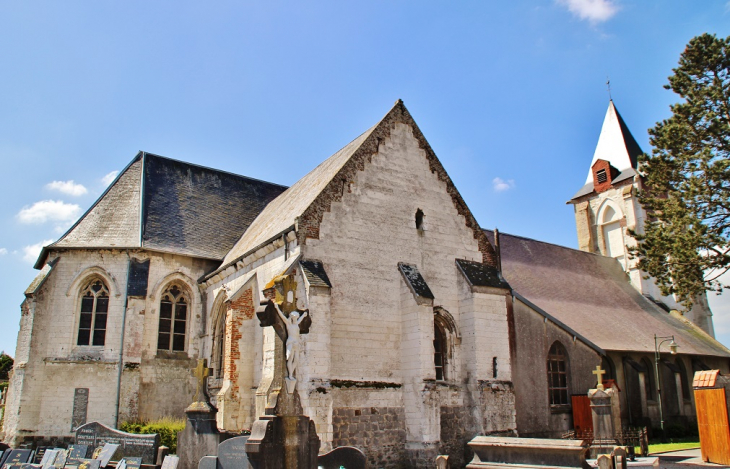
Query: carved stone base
[283, 442]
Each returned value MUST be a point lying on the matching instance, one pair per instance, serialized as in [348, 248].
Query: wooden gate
[713, 425]
[582, 417]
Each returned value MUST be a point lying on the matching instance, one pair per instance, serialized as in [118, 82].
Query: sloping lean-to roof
[167, 205]
[592, 295]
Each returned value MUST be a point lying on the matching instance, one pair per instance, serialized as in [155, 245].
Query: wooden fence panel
[582, 417]
[713, 425]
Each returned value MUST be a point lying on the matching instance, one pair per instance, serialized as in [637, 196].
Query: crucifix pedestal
[200, 436]
[604, 438]
[283, 437]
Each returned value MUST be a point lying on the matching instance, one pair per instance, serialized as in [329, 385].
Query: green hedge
[166, 427]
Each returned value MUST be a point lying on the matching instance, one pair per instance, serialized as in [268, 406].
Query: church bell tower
[607, 207]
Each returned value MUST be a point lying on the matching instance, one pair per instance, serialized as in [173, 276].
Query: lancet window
[94, 309]
[173, 320]
[440, 347]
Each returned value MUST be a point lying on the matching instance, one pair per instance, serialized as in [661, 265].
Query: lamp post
[658, 341]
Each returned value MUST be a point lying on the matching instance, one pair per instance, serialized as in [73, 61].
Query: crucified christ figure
[292, 338]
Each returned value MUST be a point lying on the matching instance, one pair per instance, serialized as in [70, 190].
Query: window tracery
[93, 314]
[173, 320]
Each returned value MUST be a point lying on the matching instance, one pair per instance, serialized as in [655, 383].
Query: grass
[676, 446]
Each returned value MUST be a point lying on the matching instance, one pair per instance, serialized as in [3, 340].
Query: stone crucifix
[290, 318]
[599, 375]
[201, 372]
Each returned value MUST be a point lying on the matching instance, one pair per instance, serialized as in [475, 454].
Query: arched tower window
[649, 385]
[173, 320]
[440, 348]
[613, 235]
[94, 308]
[557, 370]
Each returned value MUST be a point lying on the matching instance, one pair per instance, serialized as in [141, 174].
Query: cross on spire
[599, 374]
[608, 85]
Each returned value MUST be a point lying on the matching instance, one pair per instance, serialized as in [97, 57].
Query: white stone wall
[50, 365]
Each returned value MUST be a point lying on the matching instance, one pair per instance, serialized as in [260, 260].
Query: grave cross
[599, 374]
[201, 372]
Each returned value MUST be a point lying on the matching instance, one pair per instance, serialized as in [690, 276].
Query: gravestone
[604, 462]
[40, 453]
[348, 457]
[442, 461]
[122, 464]
[6, 453]
[506, 452]
[200, 436]
[89, 464]
[144, 446]
[77, 452]
[170, 462]
[133, 462]
[107, 453]
[49, 457]
[162, 451]
[232, 454]
[60, 461]
[619, 457]
[80, 407]
[19, 456]
[208, 462]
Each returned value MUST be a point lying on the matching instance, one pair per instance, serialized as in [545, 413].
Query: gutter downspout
[121, 346]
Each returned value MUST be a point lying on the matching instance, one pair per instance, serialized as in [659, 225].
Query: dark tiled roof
[316, 275]
[481, 275]
[198, 211]
[592, 295]
[183, 208]
[415, 280]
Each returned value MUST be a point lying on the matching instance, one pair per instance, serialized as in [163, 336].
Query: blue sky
[511, 96]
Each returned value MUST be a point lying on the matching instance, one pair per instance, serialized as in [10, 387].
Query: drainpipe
[120, 366]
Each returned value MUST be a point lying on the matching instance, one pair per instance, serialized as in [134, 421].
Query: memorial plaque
[81, 404]
[170, 462]
[133, 463]
[232, 454]
[77, 452]
[107, 453]
[19, 456]
[89, 464]
[131, 445]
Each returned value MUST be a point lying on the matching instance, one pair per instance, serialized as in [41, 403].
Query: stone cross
[201, 372]
[599, 374]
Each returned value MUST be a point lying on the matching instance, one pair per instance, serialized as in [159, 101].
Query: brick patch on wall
[379, 432]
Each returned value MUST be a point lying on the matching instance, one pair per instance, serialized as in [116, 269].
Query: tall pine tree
[686, 244]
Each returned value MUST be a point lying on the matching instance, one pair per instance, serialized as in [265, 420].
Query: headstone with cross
[599, 375]
[283, 437]
[200, 399]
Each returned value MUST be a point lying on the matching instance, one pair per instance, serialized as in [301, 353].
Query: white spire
[614, 143]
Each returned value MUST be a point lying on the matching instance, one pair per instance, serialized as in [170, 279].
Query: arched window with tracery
[557, 371]
[440, 348]
[219, 343]
[173, 319]
[94, 309]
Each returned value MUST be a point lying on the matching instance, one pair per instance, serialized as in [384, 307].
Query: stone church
[426, 329]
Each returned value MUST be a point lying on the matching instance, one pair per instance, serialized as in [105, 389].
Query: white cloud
[500, 185]
[109, 178]
[67, 187]
[595, 11]
[3, 251]
[30, 253]
[45, 210]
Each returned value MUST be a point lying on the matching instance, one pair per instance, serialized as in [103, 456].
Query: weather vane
[608, 85]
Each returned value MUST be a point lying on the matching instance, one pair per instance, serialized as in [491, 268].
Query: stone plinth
[604, 438]
[500, 452]
[200, 436]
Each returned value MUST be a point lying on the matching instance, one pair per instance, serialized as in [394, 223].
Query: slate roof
[167, 205]
[315, 273]
[481, 275]
[592, 295]
[415, 280]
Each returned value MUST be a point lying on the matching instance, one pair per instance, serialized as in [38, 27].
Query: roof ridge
[502, 233]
